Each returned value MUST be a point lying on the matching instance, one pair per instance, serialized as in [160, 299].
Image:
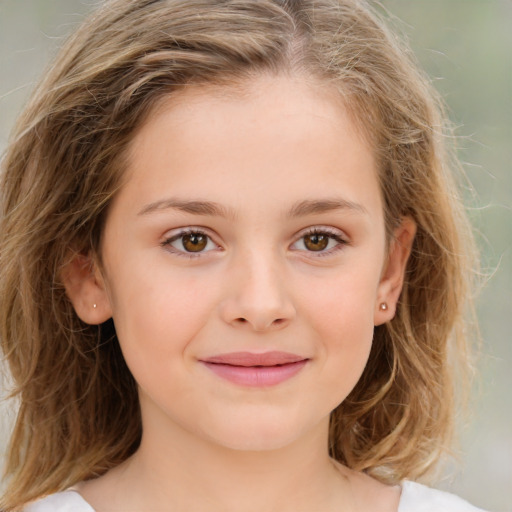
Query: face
[244, 261]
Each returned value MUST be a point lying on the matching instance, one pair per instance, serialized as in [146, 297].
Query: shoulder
[419, 498]
[66, 501]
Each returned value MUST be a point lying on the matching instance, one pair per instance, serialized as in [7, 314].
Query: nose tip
[258, 301]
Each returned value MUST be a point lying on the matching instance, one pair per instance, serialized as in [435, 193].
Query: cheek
[157, 318]
[341, 313]
[342, 301]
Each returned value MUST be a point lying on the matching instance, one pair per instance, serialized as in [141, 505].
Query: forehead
[280, 92]
[274, 136]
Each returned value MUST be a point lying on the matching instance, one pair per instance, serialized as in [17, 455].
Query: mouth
[256, 370]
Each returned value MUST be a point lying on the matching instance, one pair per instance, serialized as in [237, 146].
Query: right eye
[190, 242]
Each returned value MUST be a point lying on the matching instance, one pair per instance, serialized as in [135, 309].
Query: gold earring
[383, 306]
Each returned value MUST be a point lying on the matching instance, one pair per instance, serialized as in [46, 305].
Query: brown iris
[194, 242]
[316, 241]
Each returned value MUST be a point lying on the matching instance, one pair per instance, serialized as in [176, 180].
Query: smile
[256, 370]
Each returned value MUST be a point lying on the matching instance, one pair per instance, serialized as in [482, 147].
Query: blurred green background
[466, 48]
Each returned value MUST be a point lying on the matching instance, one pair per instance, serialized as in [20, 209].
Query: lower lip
[256, 376]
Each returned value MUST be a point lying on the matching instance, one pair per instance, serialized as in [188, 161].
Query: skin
[256, 286]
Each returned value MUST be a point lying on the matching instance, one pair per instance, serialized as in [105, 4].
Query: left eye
[318, 241]
[191, 242]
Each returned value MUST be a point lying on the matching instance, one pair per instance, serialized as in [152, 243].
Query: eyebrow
[210, 208]
[312, 207]
[195, 207]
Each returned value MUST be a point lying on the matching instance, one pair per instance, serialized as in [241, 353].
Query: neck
[176, 469]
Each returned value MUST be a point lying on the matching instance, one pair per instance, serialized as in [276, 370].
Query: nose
[257, 296]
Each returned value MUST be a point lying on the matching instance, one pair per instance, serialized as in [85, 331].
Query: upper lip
[253, 359]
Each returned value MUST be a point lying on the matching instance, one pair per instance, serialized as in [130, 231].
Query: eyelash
[324, 231]
[331, 234]
[185, 254]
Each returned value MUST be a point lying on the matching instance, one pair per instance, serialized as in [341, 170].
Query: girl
[233, 266]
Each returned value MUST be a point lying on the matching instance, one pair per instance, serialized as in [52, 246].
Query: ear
[85, 287]
[392, 278]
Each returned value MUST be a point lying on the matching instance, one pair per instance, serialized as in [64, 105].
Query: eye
[322, 241]
[190, 242]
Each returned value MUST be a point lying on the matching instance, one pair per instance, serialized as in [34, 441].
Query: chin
[257, 434]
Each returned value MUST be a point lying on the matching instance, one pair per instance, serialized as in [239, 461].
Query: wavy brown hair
[79, 414]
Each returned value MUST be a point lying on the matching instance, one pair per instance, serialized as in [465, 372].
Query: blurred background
[466, 48]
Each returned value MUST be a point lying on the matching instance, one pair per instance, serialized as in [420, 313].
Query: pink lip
[256, 370]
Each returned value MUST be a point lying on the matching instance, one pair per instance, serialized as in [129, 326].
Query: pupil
[194, 242]
[316, 242]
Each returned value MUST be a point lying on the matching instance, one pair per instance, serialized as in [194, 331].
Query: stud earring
[383, 306]
[94, 306]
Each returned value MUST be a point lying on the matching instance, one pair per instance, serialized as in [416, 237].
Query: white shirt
[414, 498]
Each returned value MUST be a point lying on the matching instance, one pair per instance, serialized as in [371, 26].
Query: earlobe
[86, 290]
[392, 277]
